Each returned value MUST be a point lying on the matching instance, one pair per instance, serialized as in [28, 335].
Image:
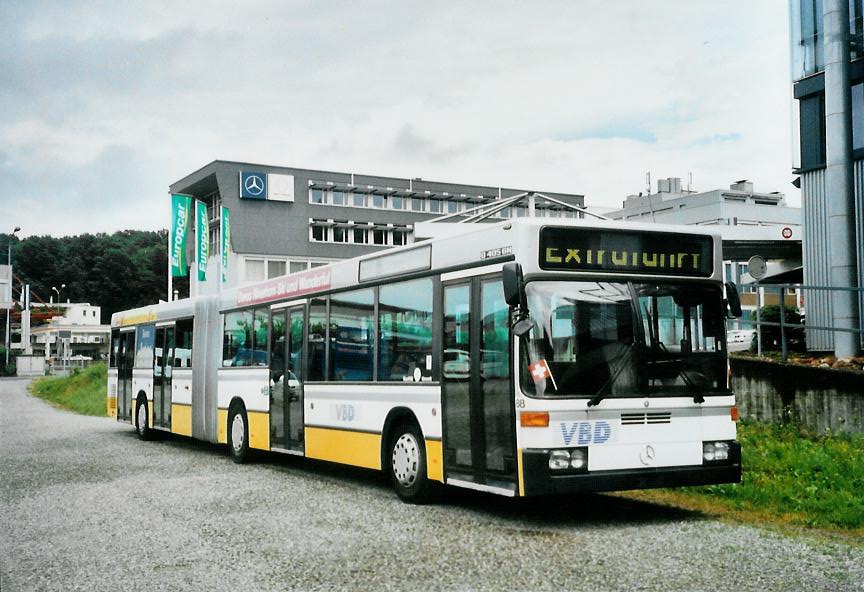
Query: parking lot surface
[85, 505]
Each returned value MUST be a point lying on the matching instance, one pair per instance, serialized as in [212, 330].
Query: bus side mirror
[514, 284]
[733, 301]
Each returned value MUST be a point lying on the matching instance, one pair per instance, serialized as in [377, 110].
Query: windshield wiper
[622, 363]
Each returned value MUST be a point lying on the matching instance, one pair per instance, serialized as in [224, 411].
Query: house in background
[77, 332]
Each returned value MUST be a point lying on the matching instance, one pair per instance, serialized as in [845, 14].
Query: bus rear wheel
[238, 434]
[407, 464]
[142, 424]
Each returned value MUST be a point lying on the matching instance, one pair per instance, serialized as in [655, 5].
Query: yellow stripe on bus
[221, 426]
[259, 429]
[434, 465]
[519, 465]
[134, 319]
[181, 419]
[360, 449]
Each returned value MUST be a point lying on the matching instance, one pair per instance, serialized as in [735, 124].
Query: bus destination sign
[626, 251]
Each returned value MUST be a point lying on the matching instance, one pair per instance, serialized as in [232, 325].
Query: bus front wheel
[238, 434]
[408, 464]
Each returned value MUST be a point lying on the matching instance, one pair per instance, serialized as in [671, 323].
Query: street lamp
[62, 286]
[9, 310]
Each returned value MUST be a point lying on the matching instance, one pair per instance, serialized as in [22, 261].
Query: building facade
[77, 332]
[285, 219]
[821, 48]
[750, 222]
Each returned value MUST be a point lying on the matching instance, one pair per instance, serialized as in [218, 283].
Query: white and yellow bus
[521, 358]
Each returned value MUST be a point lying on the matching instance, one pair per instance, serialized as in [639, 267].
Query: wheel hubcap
[406, 460]
[238, 433]
[142, 418]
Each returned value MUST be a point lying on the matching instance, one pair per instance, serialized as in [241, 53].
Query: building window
[315, 264]
[400, 237]
[316, 196]
[435, 206]
[812, 123]
[417, 204]
[361, 236]
[340, 234]
[297, 266]
[453, 207]
[275, 269]
[379, 201]
[858, 115]
[379, 236]
[358, 200]
[254, 270]
[339, 198]
[319, 233]
[397, 202]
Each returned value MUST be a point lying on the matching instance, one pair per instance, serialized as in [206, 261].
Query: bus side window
[183, 344]
[405, 330]
[317, 338]
[115, 348]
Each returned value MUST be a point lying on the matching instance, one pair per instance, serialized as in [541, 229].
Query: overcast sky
[102, 105]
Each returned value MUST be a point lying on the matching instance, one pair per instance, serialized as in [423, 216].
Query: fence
[786, 327]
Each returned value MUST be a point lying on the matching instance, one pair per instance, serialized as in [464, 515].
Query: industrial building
[286, 219]
[827, 53]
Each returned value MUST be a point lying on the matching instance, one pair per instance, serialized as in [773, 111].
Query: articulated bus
[521, 358]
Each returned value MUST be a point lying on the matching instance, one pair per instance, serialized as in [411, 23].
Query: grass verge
[82, 392]
[790, 477]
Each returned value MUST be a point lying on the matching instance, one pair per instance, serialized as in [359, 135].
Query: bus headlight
[559, 460]
[715, 451]
[569, 460]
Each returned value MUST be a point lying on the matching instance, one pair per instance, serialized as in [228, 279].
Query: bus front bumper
[538, 479]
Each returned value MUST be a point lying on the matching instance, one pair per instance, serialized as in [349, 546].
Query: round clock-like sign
[757, 267]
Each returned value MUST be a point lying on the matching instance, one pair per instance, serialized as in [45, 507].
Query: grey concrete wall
[821, 399]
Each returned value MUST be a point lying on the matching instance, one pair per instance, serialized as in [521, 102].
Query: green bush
[771, 335]
[83, 391]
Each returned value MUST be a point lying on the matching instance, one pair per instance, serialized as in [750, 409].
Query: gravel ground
[86, 506]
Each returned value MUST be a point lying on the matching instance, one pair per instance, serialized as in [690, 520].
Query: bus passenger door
[163, 363]
[479, 425]
[125, 361]
[286, 372]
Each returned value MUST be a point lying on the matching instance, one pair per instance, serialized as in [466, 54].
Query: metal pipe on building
[838, 175]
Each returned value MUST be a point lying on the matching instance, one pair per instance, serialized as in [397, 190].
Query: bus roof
[477, 245]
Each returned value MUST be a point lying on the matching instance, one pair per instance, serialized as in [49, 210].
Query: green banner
[226, 242]
[202, 240]
[180, 205]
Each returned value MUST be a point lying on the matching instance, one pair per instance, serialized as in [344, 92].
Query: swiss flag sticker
[539, 371]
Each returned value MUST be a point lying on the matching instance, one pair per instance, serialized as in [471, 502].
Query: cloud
[121, 100]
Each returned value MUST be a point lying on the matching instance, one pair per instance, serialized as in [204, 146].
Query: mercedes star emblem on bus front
[646, 457]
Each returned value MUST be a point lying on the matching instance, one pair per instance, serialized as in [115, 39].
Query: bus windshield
[619, 339]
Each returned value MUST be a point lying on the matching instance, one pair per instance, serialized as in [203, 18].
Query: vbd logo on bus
[583, 433]
[345, 412]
